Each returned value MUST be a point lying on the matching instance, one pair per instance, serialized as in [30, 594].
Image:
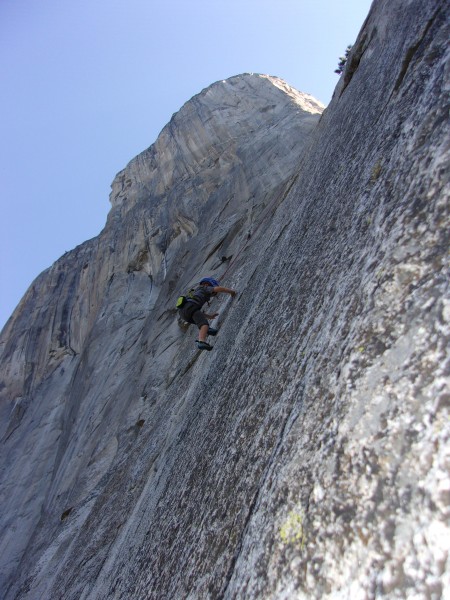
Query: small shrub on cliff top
[343, 61]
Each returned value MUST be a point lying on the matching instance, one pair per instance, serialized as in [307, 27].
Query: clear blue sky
[88, 84]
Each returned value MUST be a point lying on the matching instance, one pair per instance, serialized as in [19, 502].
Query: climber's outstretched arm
[219, 289]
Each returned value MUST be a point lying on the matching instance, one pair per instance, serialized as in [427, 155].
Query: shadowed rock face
[305, 456]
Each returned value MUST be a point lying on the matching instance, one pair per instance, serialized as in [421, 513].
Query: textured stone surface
[307, 455]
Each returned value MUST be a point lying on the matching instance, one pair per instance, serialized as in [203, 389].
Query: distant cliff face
[306, 455]
[94, 351]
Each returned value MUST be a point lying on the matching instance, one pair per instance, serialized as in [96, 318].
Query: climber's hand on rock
[213, 316]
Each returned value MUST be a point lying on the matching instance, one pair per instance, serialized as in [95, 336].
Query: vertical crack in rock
[411, 52]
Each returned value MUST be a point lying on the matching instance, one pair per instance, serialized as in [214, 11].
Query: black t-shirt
[202, 294]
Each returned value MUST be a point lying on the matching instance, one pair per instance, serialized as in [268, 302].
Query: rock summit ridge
[211, 130]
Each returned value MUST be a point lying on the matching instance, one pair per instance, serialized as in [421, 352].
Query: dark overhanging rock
[306, 455]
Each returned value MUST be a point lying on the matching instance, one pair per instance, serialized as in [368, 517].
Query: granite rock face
[306, 456]
[92, 356]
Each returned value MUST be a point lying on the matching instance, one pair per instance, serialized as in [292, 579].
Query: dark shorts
[192, 314]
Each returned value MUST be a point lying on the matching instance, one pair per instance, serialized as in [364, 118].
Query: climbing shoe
[212, 331]
[203, 345]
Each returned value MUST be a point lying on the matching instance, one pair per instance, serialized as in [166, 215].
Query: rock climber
[192, 313]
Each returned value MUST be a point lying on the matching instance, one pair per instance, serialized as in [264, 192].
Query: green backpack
[181, 301]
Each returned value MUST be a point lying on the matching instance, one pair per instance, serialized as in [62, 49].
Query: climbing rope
[260, 222]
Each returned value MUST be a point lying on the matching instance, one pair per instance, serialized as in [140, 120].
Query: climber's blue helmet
[209, 281]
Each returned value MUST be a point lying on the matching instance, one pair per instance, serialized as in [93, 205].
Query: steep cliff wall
[305, 456]
[90, 353]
